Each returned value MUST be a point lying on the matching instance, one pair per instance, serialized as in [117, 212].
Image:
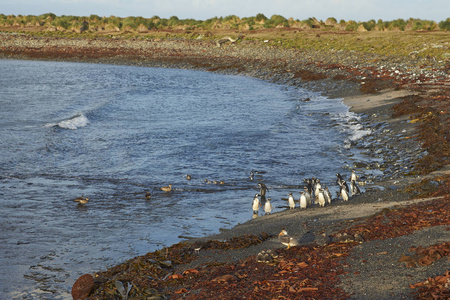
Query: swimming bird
[81, 200]
[256, 204]
[327, 195]
[321, 198]
[355, 188]
[148, 195]
[167, 188]
[188, 177]
[252, 174]
[268, 206]
[303, 202]
[291, 201]
[286, 239]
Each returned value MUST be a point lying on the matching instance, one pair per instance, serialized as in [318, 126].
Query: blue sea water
[112, 133]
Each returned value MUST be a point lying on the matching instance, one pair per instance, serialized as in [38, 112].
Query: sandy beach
[360, 249]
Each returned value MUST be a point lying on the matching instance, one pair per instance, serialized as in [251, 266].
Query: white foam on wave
[350, 123]
[75, 122]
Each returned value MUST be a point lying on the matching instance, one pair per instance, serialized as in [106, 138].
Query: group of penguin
[313, 192]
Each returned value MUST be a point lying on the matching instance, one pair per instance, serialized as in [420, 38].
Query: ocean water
[112, 133]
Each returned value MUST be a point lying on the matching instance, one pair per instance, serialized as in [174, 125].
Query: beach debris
[434, 287]
[121, 289]
[426, 256]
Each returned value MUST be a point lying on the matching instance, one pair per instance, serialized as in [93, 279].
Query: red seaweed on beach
[436, 288]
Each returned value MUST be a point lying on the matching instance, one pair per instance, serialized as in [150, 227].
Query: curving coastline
[371, 85]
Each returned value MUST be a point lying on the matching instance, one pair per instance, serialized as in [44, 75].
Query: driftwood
[228, 39]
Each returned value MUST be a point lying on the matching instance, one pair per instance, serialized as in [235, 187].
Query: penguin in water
[327, 195]
[268, 206]
[252, 174]
[321, 198]
[291, 201]
[308, 196]
[256, 204]
[354, 188]
[262, 191]
[303, 202]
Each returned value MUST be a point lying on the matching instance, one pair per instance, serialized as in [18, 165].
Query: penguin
[188, 177]
[327, 195]
[286, 239]
[148, 195]
[317, 187]
[355, 188]
[308, 196]
[321, 198]
[343, 185]
[255, 204]
[262, 191]
[308, 185]
[252, 174]
[291, 201]
[303, 202]
[339, 178]
[353, 177]
[81, 200]
[344, 194]
[268, 206]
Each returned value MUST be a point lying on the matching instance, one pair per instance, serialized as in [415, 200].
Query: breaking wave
[75, 122]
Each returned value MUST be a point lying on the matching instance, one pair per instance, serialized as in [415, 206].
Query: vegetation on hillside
[95, 23]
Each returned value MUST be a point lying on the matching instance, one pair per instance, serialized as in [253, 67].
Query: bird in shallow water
[167, 188]
[148, 195]
[188, 177]
[286, 239]
[256, 204]
[268, 206]
[81, 200]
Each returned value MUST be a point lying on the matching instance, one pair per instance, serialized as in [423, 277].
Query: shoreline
[365, 88]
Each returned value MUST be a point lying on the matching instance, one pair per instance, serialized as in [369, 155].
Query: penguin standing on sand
[317, 187]
[303, 202]
[309, 185]
[291, 201]
[268, 206]
[354, 188]
[344, 194]
[256, 204]
[321, 198]
[308, 196]
[327, 194]
[262, 191]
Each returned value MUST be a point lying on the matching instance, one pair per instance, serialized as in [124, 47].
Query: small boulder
[82, 287]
